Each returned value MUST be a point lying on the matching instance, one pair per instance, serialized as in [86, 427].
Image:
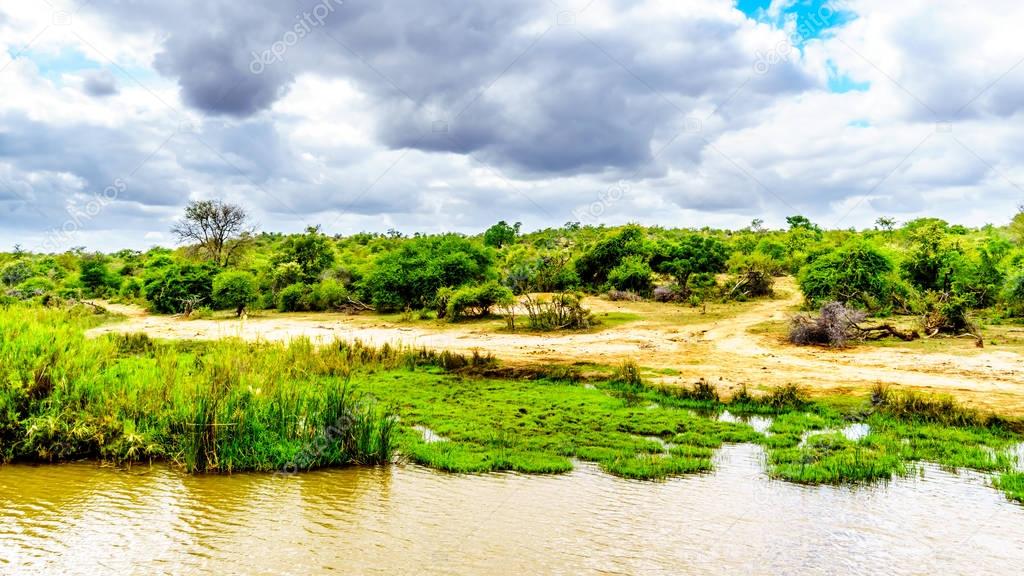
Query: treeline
[926, 266]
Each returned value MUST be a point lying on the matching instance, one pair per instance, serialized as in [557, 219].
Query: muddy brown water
[86, 519]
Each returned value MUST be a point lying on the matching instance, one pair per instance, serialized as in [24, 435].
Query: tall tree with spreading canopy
[215, 228]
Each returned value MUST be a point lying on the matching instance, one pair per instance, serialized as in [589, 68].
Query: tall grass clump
[211, 407]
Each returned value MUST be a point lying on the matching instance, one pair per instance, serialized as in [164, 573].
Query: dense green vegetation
[230, 405]
[218, 407]
[949, 274]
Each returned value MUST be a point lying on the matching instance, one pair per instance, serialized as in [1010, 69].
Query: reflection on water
[758, 423]
[83, 519]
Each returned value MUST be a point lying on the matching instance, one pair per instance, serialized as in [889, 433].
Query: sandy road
[722, 351]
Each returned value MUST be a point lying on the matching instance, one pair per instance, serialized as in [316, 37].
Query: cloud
[101, 83]
[430, 116]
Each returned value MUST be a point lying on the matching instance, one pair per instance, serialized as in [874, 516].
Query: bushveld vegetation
[950, 276]
[230, 405]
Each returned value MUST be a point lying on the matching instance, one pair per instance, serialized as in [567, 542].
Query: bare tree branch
[215, 228]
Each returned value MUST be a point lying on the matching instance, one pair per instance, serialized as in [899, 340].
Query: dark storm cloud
[100, 83]
[98, 156]
[501, 80]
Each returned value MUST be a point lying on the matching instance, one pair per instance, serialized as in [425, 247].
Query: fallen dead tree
[836, 326]
[949, 314]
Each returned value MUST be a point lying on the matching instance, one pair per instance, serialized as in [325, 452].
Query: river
[88, 519]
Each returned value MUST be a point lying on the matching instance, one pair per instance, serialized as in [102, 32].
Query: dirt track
[723, 351]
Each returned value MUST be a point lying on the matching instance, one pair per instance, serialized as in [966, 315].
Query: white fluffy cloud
[388, 114]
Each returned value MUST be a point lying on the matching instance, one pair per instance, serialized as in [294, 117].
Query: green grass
[223, 406]
[230, 405]
[1012, 483]
[833, 459]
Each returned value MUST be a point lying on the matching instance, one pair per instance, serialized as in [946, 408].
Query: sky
[360, 115]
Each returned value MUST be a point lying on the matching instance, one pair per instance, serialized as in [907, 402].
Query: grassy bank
[222, 406]
[230, 405]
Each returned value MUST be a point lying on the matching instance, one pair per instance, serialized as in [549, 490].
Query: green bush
[130, 288]
[235, 289]
[293, 298]
[633, 274]
[313, 252]
[15, 273]
[35, 287]
[477, 300]
[857, 274]
[596, 264]
[1013, 294]
[410, 276]
[95, 275]
[329, 295]
[171, 288]
[694, 254]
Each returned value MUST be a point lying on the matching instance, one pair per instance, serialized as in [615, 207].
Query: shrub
[563, 311]
[286, 274]
[130, 288]
[293, 298]
[95, 276]
[329, 295]
[33, 287]
[235, 289]
[666, 294]
[15, 273]
[624, 296]
[478, 300]
[1013, 294]
[410, 276]
[595, 265]
[632, 274]
[949, 313]
[752, 276]
[313, 252]
[856, 274]
[171, 288]
[694, 254]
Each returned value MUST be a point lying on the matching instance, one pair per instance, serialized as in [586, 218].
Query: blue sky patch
[841, 83]
[67, 61]
[813, 18]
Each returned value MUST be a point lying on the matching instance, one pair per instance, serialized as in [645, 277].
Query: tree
[16, 272]
[235, 289]
[1017, 226]
[95, 276]
[596, 263]
[501, 234]
[885, 224]
[215, 228]
[799, 221]
[312, 251]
